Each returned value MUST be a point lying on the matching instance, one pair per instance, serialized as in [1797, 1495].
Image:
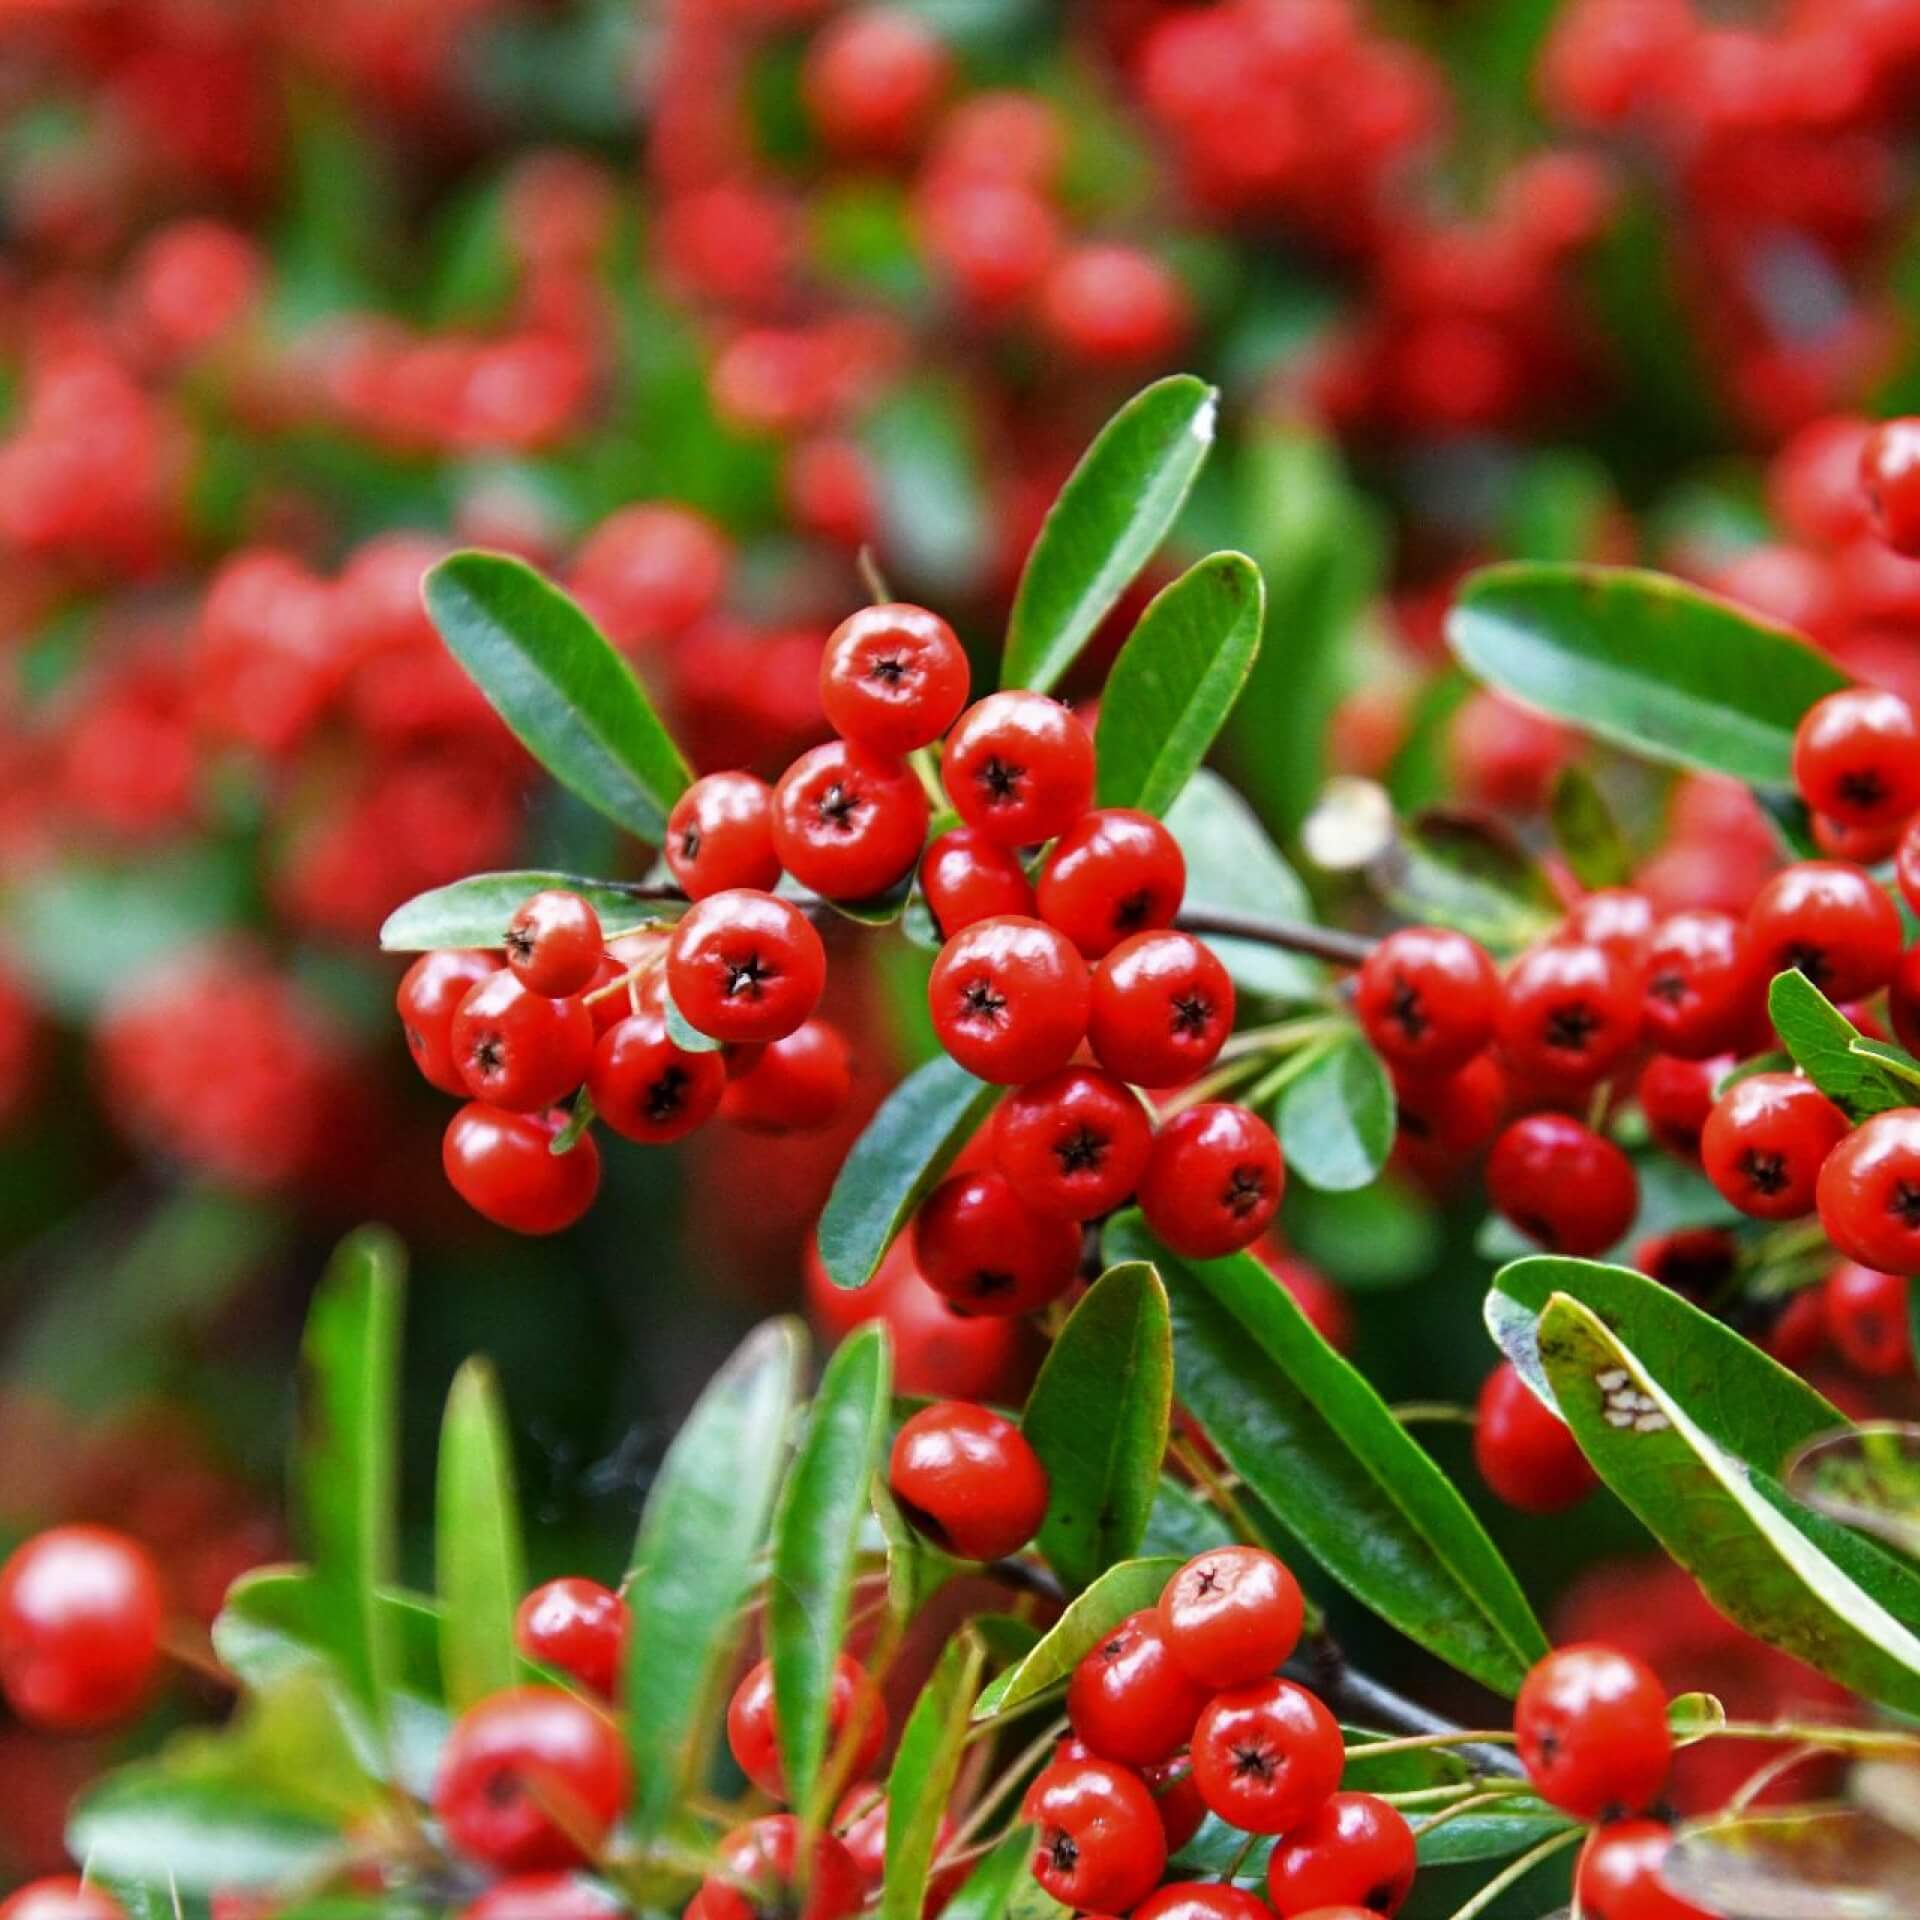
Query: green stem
[1418, 1742]
[1413, 1412]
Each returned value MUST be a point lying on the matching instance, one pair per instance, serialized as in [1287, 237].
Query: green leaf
[1465, 871]
[705, 1519]
[1644, 661]
[816, 1534]
[1114, 511]
[1866, 1476]
[896, 1163]
[474, 912]
[1182, 1524]
[921, 1781]
[1088, 1619]
[682, 1032]
[1497, 1834]
[1318, 1446]
[1587, 834]
[990, 1887]
[570, 699]
[347, 1469]
[1176, 680]
[479, 1559]
[1788, 1575]
[1336, 1120]
[1098, 1418]
[1890, 1059]
[1821, 1039]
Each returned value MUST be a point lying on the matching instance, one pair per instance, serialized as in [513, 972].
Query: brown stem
[1323, 943]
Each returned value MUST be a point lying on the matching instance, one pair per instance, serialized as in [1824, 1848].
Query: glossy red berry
[1765, 1142]
[1113, 873]
[893, 678]
[793, 1085]
[1356, 1850]
[1009, 999]
[61, 1896]
[1213, 1180]
[1019, 767]
[80, 1620]
[429, 993]
[578, 1627]
[746, 966]
[1161, 1009]
[849, 822]
[502, 1166]
[872, 81]
[1074, 1144]
[1869, 1192]
[1201, 1900]
[1098, 1846]
[1526, 1454]
[1267, 1756]
[985, 1249]
[967, 1479]
[1590, 1724]
[530, 1778]
[720, 836]
[966, 876]
[1831, 922]
[1129, 1699]
[860, 1821]
[1562, 1184]
[1903, 999]
[1427, 998]
[1906, 866]
[1617, 918]
[1856, 758]
[1441, 1124]
[518, 1049]
[1866, 1320]
[1676, 1096]
[1890, 477]
[757, 1874]
[1569, 1012]
[554, 943]
[1231, 1615]
[647, 1089]
[1702, 992]
[1182, 1811]
[1618, 1875]
[855, 1710]
[1113, 305]
[1695, 1261]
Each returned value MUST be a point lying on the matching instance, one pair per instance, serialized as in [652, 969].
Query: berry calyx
[1856, 758]
[720, 836]
[1098, 1845]
[983, 1248]
[1869, 1193]
[1009, 999]
[1019, 767]
[429, 993]
[1766, 1141]
[519, 1049]
[1427, 998]
[1213, 1180]
[1161, 1008]
[1569, 1012]
[967, 1478]
[1129, 1699]
[893, 678]
[646, 1088]
[849, 822]
[1232, 1615]
[745, 966]
[1267, 1756]
[1830, 921]
[1113, 873]
[1074, 1144]
[1702, 991]
[554, 943]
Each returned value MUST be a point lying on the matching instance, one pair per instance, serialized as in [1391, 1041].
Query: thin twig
[1296, 936]
[1500, 1882]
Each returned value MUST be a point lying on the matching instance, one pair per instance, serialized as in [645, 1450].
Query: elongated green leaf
[1820, 1037]
[474, 912]
[1894, 1061]
[479, 1558]
[1587, 834]
[1113, 512]
[1336, 1120]
[573, 702]
[896, 1163]
[990, 1886]
[923, 1772]
[705, 1519]
[347, 1471]
[1465, 871]
[1098, 1418]
[1314, 1441]
[1497, 1834]
[1788, 1575]
[1867, 1476]
[1182, 1524]
[1089, 1618]
[816, 1532]
[1176, 680]
[1645, 661]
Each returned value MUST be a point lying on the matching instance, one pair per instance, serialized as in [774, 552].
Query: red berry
[1695, 1261]
[1213, 1180]
[1869, 1193]
[758, 1872]
[1866, 1319]
[1702, 991]
[1591, 1727]
[1525, 1453]
[1355, 1851]
[1074, 1144]
[80, 1620]
[1441, 1124]
[1267, 1756]
[1019, 767]
[518, 1049]
[544, 1896]
[720, 836]
[983, 1248]
[647, 1089]
[1178, 1801]
[968, 1480]
[1098, 1845]
[1890, 477]
[502, 1166]
[1161, 1009]
[430, 990]
[648, 572]
[554, 943]
[1562, 1184]
[1618, 1877]
[1857, 846]
[1856, 758]
[530, 1778]
[577, 1626]
[1569, 1012]
[893, 678]
[1906, 866]
[872, 80]
[1617, 918]
[1009, 999]
[1676, 1096]
[1232, 1615]
[1114, 305]
[860, 1821]
[1113, 873]
[1831, 922]
[848, 822]
[746, 966]
[61, 1896]
[1129, 1699]
[1427, 998]
[1765, 1141]
[968, 877]
[794, 1085]
[1201, 1900]
[753, 1728]
[1903, 999]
